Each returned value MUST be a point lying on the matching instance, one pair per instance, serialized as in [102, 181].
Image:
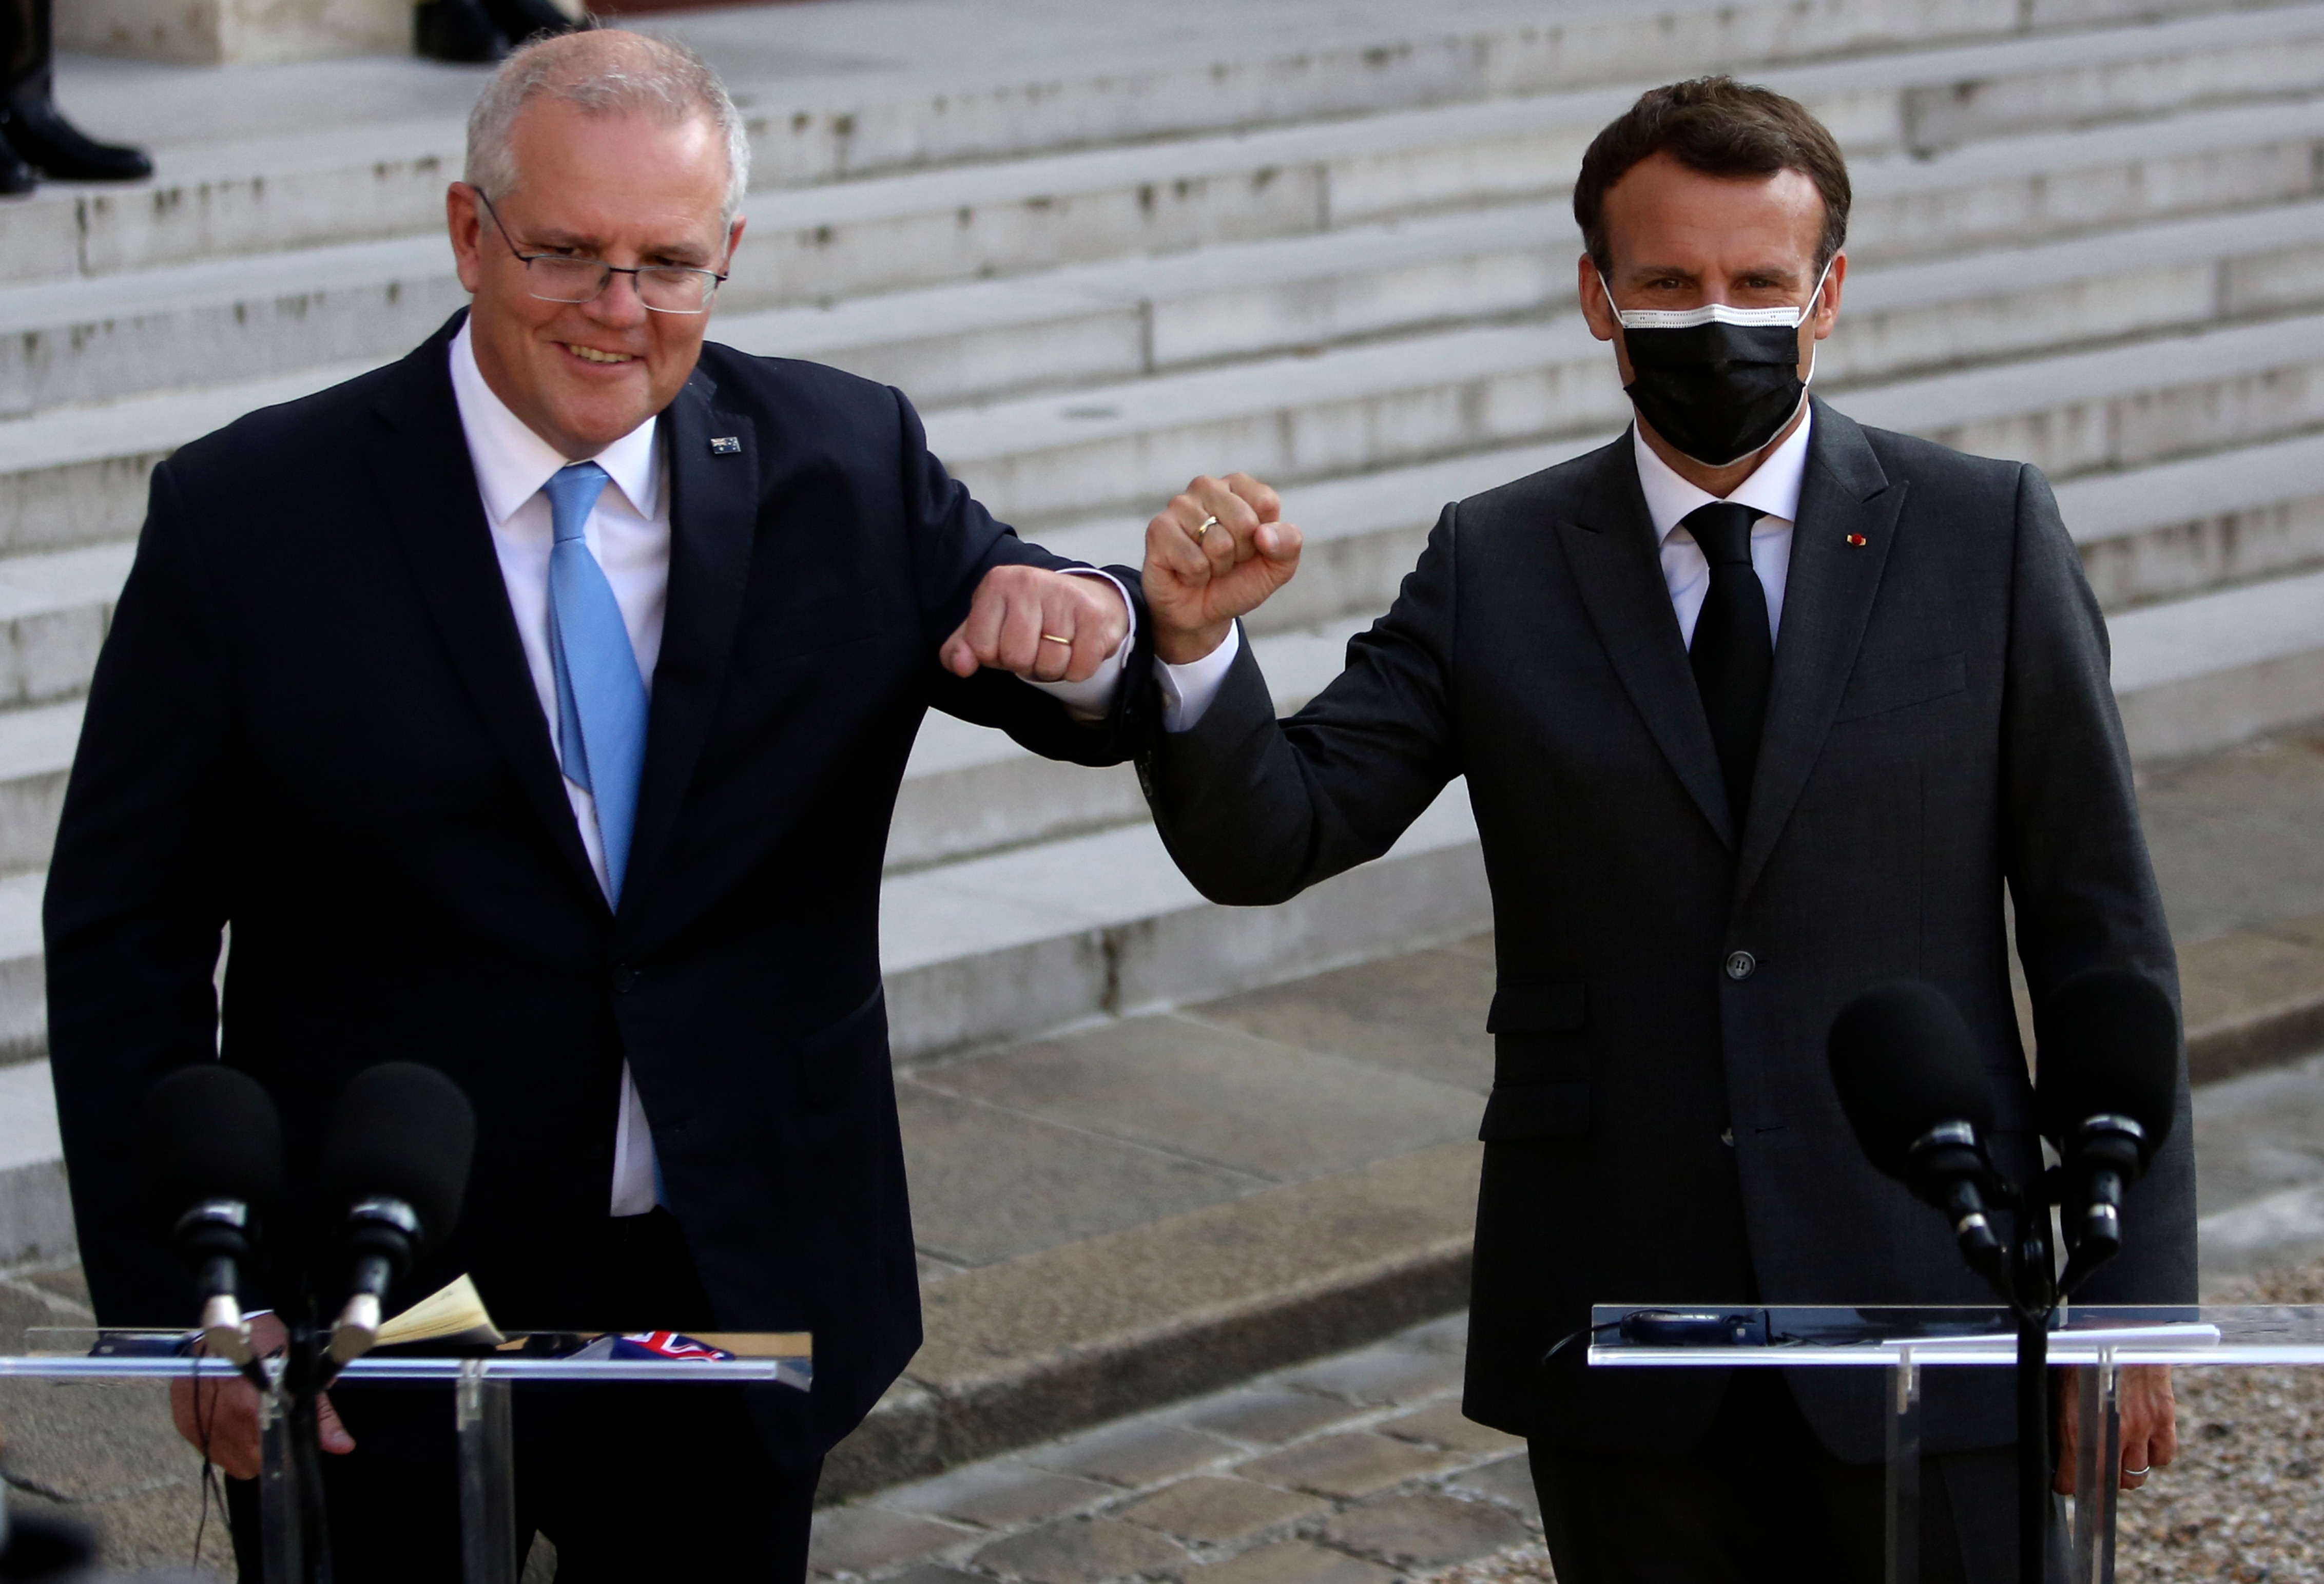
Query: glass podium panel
[1907, 1340]
[481, 1380]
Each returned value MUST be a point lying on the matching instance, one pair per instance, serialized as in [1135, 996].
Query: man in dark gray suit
[1757, 706]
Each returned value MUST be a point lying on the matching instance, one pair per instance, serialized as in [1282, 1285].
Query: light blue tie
[601, 694]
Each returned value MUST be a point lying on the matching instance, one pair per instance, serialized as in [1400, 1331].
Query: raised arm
[1255, 810]
[1003, 613]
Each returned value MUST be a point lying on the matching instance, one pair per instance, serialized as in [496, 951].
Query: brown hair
[1721, 127]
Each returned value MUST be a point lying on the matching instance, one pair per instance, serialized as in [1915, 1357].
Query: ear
[734, 238]
[464, 218]
[1595, 310]
[1827, 303]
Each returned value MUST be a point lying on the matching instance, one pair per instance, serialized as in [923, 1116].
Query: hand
[1199, 578]
[1020, 614]
[220, 1417]
[2150, 1424]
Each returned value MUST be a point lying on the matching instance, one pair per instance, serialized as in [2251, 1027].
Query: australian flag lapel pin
[725, 445]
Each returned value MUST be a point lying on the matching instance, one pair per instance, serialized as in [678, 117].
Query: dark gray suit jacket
[1940, 727]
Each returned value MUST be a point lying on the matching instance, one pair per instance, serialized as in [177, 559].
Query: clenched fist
[1044, 626]
[1215, 553]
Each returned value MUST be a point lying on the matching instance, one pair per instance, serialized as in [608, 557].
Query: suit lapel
[1845, 498]
[714, 512]
[1613, 555]
[420, 460]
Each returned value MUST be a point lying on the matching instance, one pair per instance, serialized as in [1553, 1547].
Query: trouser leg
[1758, 1501]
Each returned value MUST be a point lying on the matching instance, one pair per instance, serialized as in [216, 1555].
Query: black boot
[16, 176]
[530, 19]
[62, 151]
[456, 30]
[29, 118]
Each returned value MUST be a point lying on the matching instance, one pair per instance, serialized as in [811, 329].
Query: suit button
[626, 978]
[1741, 965]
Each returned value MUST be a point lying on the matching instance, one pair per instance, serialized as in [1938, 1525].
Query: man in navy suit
[535, 708]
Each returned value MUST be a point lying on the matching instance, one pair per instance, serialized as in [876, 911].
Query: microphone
[395, 1167]
[2106, 1091]
[1907, 1068]
[212, 1146]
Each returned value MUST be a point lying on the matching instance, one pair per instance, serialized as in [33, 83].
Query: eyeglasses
[554, 277]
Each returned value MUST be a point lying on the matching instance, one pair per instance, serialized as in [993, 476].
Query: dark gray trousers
[1761, 1501]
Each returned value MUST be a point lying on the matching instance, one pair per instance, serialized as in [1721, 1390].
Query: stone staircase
[2090, 235]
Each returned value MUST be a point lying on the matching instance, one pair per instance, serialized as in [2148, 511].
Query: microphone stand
[2028, 1284]
[2036, 1300]
[298, 1528]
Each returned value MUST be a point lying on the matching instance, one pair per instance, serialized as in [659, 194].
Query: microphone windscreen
[403, 1132]
[2107, 1041]
[209, 1132]
[1903, 1061]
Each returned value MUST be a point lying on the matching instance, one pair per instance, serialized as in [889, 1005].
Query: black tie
[1734, 654]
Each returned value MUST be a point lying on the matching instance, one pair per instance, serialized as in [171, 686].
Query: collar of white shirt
[1773, 488]
[512, 463]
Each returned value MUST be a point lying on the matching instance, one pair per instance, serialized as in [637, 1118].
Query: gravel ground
[2245, 1502]
[2246, 1499]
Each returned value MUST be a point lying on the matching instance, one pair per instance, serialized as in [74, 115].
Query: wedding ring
[1052, 637]
[1205, 526]
[2135, 1473]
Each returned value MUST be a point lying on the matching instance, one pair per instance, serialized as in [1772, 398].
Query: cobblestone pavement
[1360, 1469]
[1357, 1470]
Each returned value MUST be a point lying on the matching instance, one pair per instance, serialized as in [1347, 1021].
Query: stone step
[216, 323]
[220, 323]
[2004, 191]
[2152, 531]
[1054, 457]
[999, 947]
[969, 789]
[2184, 525]
[343, 150]
[78, 472]
[1014, 212]
[2200, 672]
[36, 751]
[1126, 318]
[923, 228]
[77, 476]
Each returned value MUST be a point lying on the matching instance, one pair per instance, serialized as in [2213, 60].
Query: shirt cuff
[1091, 698]
[1187, 690]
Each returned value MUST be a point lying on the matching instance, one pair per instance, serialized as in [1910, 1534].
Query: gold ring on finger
[1052, 637]
[1205, 526]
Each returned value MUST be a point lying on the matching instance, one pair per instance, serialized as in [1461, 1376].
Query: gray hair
[603, 71]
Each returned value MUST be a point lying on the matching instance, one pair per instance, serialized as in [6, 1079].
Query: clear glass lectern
[481, 1380]
[1904, 1341]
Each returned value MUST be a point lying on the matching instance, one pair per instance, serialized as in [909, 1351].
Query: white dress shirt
[1774, 488]
[629, 533]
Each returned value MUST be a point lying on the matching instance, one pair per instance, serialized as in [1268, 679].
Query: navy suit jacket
[312, 719]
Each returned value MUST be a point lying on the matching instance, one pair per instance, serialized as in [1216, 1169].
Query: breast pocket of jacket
[1900, 687]
[1541, 1088]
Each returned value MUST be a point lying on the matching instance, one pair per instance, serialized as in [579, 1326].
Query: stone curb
[1071, 1336]
[2254, 997]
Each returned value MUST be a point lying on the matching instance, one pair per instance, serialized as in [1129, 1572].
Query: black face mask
[1715, 382]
